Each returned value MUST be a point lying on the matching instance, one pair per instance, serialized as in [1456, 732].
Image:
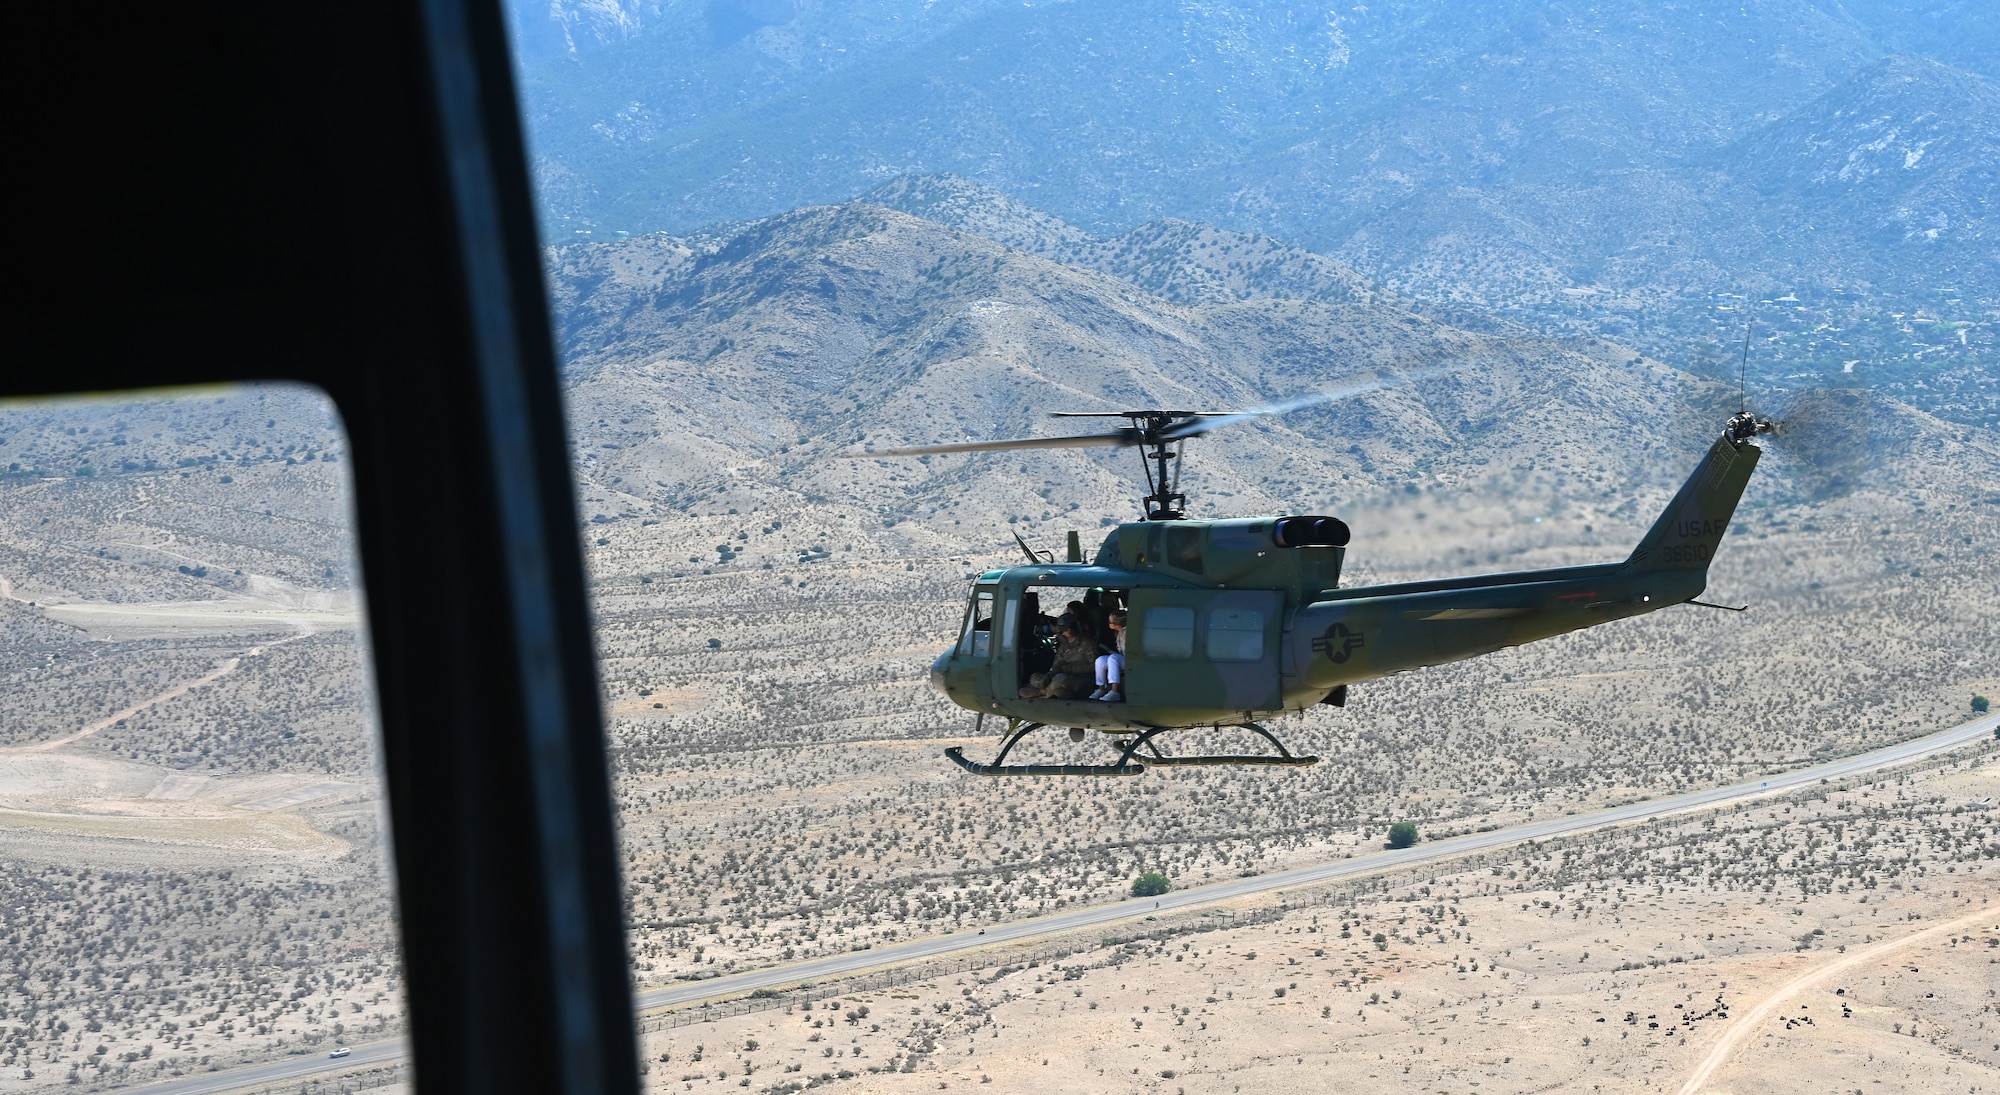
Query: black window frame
[338, 195]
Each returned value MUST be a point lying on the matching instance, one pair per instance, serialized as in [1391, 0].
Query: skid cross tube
[1016, 730]
[1129, 762]
[1285, 757]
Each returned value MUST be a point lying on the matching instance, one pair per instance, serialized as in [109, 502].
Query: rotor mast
[1162, 461]
[1159, 434]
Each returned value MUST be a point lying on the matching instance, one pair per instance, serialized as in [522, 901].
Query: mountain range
[1491, 154]
[754, 370]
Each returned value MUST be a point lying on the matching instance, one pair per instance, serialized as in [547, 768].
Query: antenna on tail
[1743, 371]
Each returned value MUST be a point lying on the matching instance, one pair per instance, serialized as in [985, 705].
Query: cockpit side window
[1010, 624]
[1184, 548]
[978, 638]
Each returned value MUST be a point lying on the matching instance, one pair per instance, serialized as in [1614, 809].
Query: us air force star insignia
[1338, 643]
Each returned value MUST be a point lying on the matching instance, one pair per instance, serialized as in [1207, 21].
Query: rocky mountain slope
[1660, 176]
[1175, 260]
[1906, 153]
[1491, 153]
[708, 373]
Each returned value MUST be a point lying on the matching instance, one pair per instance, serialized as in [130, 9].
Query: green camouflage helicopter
[1231, 622]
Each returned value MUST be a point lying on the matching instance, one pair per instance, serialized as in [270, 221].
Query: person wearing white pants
[1111, 667]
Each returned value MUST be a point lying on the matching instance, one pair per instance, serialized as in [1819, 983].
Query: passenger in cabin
[1069, 677]
[1037, 639]
[1076, 656]
[1111, 665]
[1085, 620]
[1111, 601]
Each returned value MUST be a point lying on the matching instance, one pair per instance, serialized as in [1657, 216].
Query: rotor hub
[1743, 425]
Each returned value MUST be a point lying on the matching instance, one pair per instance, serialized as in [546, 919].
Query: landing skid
[1130, 761]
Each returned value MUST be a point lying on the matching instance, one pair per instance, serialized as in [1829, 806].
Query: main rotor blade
[1139, 414]
[1116, 437]
[1193, 423]
[1198, 426]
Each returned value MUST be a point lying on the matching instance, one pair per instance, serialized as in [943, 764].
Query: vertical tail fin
[1688, 532]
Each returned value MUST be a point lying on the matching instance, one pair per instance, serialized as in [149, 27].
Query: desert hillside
[187, 772]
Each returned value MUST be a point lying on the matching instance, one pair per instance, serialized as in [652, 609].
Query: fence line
[398, 1072]
[1008, 960]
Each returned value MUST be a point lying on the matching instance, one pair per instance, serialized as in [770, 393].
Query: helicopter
[1236, 622]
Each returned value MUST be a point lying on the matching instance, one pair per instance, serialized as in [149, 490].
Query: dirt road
[1751, 1021]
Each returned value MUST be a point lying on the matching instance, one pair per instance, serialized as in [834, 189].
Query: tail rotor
[1823, 427]
[1827, 437]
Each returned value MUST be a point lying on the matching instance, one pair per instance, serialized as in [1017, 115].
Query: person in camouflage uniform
[1071, 675]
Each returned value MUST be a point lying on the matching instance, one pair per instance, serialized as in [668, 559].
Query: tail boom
[1366, 632]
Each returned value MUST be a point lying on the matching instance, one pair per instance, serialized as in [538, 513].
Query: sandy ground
[1465, 984]
[107, 845]
[780, 791]
[1205, 1015]
[66, 806]
[120, 621]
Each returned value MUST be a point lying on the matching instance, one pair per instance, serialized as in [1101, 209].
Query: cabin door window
[1167, 632]
[1239, 634]
[1235, 635]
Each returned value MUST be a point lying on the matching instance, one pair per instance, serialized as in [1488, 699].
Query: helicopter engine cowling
[1311, 532]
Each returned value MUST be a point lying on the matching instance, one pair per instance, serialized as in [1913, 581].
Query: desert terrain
[1832, 940]
[190, 829]
[188, 805]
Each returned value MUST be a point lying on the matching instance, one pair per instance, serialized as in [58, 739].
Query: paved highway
[294, 1068]
[1100, 915]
